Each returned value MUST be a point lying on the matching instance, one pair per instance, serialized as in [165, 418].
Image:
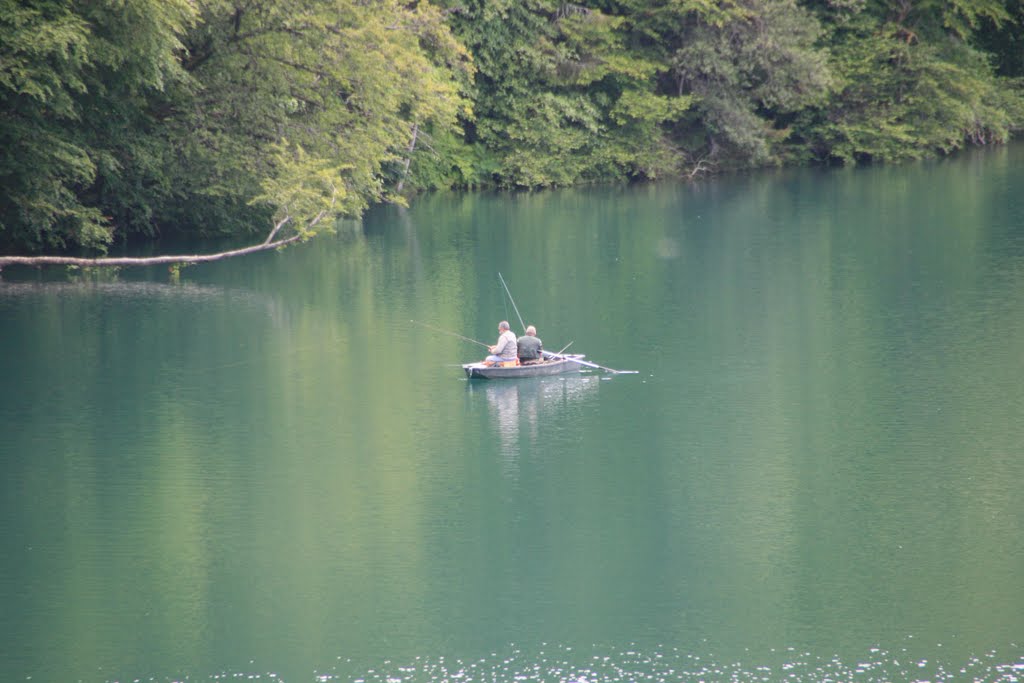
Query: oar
[593, 365]
[438, 329]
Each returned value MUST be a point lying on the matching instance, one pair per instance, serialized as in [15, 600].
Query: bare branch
[280, 224]
[408, 157]
[702, 166]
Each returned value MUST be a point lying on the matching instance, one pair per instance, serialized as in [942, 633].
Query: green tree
[316, 96]
[215, 116]
[560, 97]
[748, 65]
[75, 83]
[911, 84]
[1004, 40]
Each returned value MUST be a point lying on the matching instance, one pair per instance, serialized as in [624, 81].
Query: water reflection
[127, 292]
[520, 408]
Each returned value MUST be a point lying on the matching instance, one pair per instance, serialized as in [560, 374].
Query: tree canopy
[135, 118]
[211, 117]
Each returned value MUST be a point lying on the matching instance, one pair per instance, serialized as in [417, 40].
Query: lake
[275, 469]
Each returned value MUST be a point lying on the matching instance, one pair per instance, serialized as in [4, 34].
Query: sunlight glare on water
[565, 664]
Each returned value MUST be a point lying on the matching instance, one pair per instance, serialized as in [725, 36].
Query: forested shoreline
[129, 119]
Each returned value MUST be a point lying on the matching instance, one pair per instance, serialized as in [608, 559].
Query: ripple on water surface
[596, 665]
[565, 664]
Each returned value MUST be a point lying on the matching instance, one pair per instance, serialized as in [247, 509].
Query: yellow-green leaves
[78, 82]
[344, 82]
[41, 57]
[640, 105]
[306, 193]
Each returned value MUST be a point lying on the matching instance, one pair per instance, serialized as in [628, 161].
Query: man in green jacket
[529, 346]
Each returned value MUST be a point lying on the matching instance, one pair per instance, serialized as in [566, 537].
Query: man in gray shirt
[530, 347]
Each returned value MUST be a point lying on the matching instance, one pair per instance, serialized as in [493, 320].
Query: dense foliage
[211, 116]
[136, 117]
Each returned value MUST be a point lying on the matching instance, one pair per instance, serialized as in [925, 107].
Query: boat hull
[545, 369]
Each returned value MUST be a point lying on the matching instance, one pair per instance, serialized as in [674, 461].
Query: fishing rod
[454, 334]
[559, 354]
[514, 307]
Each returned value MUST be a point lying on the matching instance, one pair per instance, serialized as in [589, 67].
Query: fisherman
[505, 349]
[530, 347]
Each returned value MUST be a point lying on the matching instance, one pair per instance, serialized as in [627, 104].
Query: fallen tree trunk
[181, 259]
[102, 262]
[139, 261]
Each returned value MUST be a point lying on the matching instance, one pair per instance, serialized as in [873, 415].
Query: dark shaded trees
[211, 117]
[636, 88]
[911, 84]
[75, 84]
[123, 118]
[748, 65]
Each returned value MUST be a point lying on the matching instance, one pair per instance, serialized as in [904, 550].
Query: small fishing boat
[552, 363]
[549, 366]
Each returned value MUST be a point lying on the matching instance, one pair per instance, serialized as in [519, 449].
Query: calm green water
[268, 472]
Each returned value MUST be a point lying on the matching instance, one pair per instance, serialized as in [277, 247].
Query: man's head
[531, 331]
[503, 326]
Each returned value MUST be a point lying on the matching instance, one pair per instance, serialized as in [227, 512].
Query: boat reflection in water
[520, 409]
